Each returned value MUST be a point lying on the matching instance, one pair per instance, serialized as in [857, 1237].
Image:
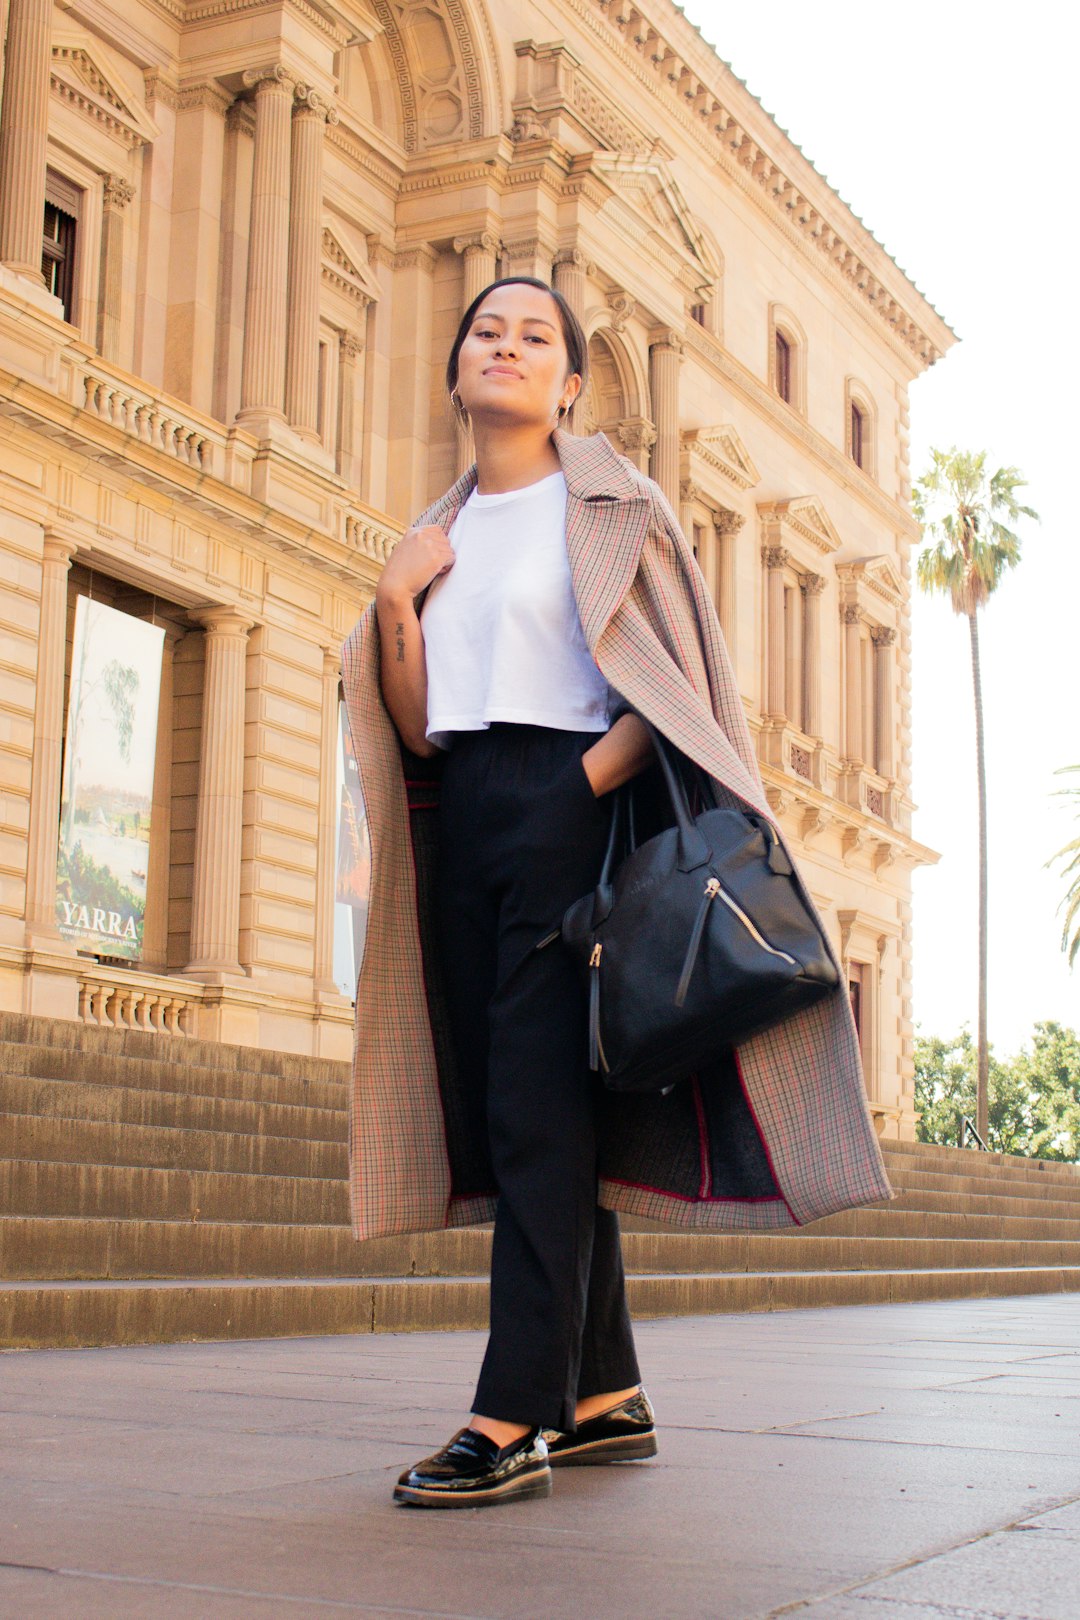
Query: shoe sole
[537, 1483]
[619, 1448]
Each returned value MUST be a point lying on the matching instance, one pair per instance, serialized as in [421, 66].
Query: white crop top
[502, 634]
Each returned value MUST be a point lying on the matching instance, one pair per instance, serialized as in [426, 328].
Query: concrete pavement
[869, 1463]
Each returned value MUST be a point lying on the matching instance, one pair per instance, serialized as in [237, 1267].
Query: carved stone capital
[882, 635]
[575, 259]
[311, 102]
[161, 89]
[274, 77]
[240, 119]
[117, 193]
[635, 434]
[668, 342]
[689, 492]
[727, 522]
[208, 95]
[850, 613]
[480, 242]
[420, 257]
[813, 584]
[774, 556]
[622, 308]
[351, 346]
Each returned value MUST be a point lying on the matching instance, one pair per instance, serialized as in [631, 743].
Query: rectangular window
[697, 313]
[58, 238]
[699, 540]
[783, 367]
[857, 443]
[855, 991]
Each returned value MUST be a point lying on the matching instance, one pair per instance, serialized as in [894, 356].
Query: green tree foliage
[1034, 1097]
[963, 510]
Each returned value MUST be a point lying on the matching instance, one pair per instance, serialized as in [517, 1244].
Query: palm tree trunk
[982, 1121]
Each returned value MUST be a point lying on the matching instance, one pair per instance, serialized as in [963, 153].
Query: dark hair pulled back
[577, 345]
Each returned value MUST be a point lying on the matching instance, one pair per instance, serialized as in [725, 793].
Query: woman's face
[512, 364]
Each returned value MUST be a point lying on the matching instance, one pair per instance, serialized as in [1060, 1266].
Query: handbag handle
[693, 849]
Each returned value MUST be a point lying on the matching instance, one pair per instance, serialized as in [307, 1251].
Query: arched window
[787, 358]
[860, 426]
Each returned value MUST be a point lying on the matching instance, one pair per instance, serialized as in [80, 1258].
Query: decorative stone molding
[622, 308]
[874, 583]
[804, 517]
[420, 257]
[481, 242]
[573, 259]
[882, 635]
[813, 584]
[850, 613]
[312, 101]
[351, 345]
[161, 88]
[775, 556]
[275, 72]
[722, 452]
[556, 99]
[240, 119]
[527, 127]
[428, 98]
[83, 77]
[718, 106]
[343, 267]
[727, 522]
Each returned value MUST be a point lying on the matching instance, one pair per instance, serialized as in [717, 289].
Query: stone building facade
[236, 237]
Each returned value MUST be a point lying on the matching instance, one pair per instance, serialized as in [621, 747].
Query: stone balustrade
[136, 1001]
[150, 418]
[369, 534]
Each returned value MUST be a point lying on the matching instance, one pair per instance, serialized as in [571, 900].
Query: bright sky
[950, 139]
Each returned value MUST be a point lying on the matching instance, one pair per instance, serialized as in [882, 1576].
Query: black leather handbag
[697, 939]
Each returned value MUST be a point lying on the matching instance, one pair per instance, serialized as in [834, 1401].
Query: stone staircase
[159, 1189]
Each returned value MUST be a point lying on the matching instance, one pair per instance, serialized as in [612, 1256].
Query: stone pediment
[878, 575]
[345, 264]
[721, 450]
[806, 516]
[645, 184]
[88, 75]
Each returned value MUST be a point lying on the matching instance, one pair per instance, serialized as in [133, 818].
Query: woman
[491, 688]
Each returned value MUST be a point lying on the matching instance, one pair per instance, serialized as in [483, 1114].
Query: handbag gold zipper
[713, 888]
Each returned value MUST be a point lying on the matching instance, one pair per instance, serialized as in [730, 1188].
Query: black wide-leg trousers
[521, 835]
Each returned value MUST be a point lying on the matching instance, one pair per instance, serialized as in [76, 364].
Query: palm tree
[963, 511]
[1070, 932]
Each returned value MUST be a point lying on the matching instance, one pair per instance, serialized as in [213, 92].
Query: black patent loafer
[624, 1434]
[472, 1471]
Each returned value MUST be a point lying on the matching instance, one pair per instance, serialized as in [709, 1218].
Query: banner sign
[353, 875]
[108, 780]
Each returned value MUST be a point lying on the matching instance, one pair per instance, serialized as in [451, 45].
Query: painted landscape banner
[108, 780]
[353, 866]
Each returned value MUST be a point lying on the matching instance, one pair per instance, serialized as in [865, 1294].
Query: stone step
[63, 1314]
[83, 1100]
[22, 1029]
[944, 1202]
[53, 1187]
[189, 1079]
[93, 1247]
[986, 1186]
[886, 1220]
[956, 1158]
[109, 1142]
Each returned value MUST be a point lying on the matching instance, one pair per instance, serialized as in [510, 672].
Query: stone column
[192, 318]
[44, 827]
[883, 639]
[571, 270]
[664, 359]
[636, 438]
[215, 901]
[117, 194]
[853, 707]
[480, 256]
[350, 408]
[727, 525]
[24, 120]
[155, 948]
[262, 388]
[813, 587]
[411, 382]
[325, 863]
[774, 558]
[309, 121]
[793, 654]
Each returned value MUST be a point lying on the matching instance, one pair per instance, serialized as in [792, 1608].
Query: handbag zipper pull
[594, 1006]
[712, 889]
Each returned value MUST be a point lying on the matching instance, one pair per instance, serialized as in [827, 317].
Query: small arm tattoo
[400, 633]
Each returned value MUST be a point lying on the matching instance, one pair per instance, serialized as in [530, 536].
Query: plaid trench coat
[776, 1134]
